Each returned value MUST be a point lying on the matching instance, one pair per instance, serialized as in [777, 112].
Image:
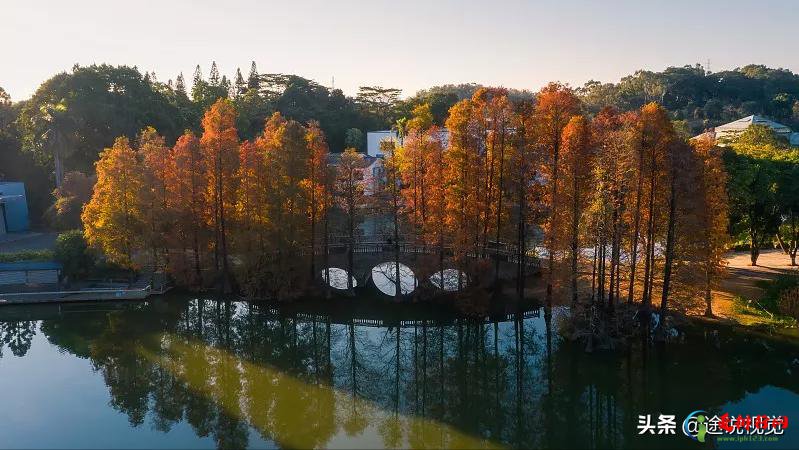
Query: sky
[406, 44]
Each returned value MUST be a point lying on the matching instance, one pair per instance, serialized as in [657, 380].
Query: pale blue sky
[407, 44]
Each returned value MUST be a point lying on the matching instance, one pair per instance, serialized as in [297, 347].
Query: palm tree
[401, 128]
[54, 136]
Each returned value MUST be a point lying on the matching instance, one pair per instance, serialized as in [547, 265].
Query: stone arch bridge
[423, 260]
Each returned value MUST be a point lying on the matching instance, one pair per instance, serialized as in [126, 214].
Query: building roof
[29, 265]
[334, 159]
[730, 130]
[745, 122]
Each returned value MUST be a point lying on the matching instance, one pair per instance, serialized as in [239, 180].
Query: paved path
[741, 280]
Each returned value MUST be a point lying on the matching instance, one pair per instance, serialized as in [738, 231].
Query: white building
[729, 131]
[374, 138]
[372, 172]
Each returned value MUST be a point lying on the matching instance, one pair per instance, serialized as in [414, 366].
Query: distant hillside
[703, 99]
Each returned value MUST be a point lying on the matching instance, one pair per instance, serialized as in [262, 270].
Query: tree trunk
[313, 232]
[708, 296]
[326, 250]
[794, 243]
[636, 226]
[553, 215]
[669, 247]
[521, 251]
[649, 262]
[499, 201]
[398, 280]
[594, 272]
[58, 164]
[575, 228]
[754, 246]
[226, 287]
[350, 249]
[614, 259]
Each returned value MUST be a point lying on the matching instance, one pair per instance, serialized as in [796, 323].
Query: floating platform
[84, 295]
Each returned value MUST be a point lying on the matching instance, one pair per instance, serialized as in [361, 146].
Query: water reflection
[17, 336]
[301, 378]
[338, 278]
[450, 280]
[295, 412]
[384, 276]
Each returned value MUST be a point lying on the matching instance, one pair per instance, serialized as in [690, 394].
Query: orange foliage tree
[555, 105]
[220, 144]
[316, 185]
[189, 205]
[113, 220]
[157, 164]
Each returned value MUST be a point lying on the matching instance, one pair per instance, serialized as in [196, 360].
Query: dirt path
[742, 278]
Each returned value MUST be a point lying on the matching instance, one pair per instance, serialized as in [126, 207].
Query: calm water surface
[182, 372]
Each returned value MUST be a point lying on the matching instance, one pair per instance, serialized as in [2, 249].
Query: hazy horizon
[411, 46]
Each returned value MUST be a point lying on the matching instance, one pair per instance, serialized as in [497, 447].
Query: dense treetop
[704, 99]
[76, 114]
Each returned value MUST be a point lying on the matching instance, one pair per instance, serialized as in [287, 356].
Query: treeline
[620, 207]
[75, 114]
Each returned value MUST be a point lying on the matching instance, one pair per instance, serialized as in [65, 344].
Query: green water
[182, 372]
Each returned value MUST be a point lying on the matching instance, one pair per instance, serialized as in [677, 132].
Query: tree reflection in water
[17, 336]
[306, 380]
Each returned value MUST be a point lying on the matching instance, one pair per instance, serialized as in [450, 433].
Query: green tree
[73, 116]
[253, 80]
[73, 253]
[752, 187]
[354, 138]
[380, 102]
[788, 202]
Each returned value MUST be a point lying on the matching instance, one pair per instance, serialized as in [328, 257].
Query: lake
[179, 372]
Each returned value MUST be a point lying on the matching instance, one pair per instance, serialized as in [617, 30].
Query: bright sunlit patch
[296, 413]
[384, 276]
[338, 278]
[453, 280]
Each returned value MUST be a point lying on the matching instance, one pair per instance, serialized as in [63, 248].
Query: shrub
[73, 253]
[789, 302]
[774, 290]
[26, 255]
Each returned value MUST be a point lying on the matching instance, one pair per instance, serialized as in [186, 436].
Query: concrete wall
[15, 206]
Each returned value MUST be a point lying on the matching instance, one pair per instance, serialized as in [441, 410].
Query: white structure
[731, 130]
[373, 174]
[374, 138]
